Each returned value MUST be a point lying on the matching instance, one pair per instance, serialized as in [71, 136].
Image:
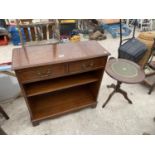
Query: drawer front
[40, 73]
[85, 65]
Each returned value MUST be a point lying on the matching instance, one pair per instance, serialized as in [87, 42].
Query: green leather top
[124, 69]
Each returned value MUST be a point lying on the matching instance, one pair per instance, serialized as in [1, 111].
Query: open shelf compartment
[60, 102]
[52, 85]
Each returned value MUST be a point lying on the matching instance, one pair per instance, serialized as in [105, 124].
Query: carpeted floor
[118, 117]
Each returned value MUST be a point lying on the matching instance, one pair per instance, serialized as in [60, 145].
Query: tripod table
[123, 71]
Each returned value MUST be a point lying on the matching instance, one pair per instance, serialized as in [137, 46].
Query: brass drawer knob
[49, 71]
[87, 65]
[44, 74]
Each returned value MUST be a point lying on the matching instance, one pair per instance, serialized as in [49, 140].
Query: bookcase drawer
[85, 65]
[40, 73]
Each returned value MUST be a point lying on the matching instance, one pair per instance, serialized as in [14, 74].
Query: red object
[4, 40]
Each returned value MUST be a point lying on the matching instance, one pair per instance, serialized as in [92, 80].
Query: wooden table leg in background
[4, 113]
[2, 132]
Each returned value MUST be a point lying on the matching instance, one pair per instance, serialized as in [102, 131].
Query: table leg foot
[106, 102]
[35, 123]
[151, 89]
[4, 113]
[125, 95]
[145, 133]
[2, 132]
[111, 86]
[94, 105]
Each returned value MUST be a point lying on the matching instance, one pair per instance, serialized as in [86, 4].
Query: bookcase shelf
[56, 81]
[52, 85]
[60, 102]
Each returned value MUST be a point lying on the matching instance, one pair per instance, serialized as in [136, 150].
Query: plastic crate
[15, 38]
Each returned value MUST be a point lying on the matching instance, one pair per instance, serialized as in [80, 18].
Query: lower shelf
[60, 102]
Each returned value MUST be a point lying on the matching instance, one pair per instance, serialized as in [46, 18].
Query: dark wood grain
[51, 85]
[44, 54]
[85, 65]
[32, 33]
[61, 102]
[62, 81]
[39, 73]
[26, 34]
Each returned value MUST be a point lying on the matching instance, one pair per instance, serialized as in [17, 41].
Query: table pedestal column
[117, 89]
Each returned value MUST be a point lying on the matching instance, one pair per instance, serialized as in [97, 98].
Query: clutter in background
[92, 29]
[3, 23]
[34, 33]
[112, 26]
[15, 38]
[74, 36]
[145, 24]
[133, 49]
[148, 39]
[97, 35]
[67, 26]
[69, 31]
[72, 30]
[4, 34]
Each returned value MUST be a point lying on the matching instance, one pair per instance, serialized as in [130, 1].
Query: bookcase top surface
[32, 56]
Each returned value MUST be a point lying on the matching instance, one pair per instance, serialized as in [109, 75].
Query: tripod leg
[111, 86]
[4, 113]
[105, 103]
[2, 132]
[151, 89]
[125, 95]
